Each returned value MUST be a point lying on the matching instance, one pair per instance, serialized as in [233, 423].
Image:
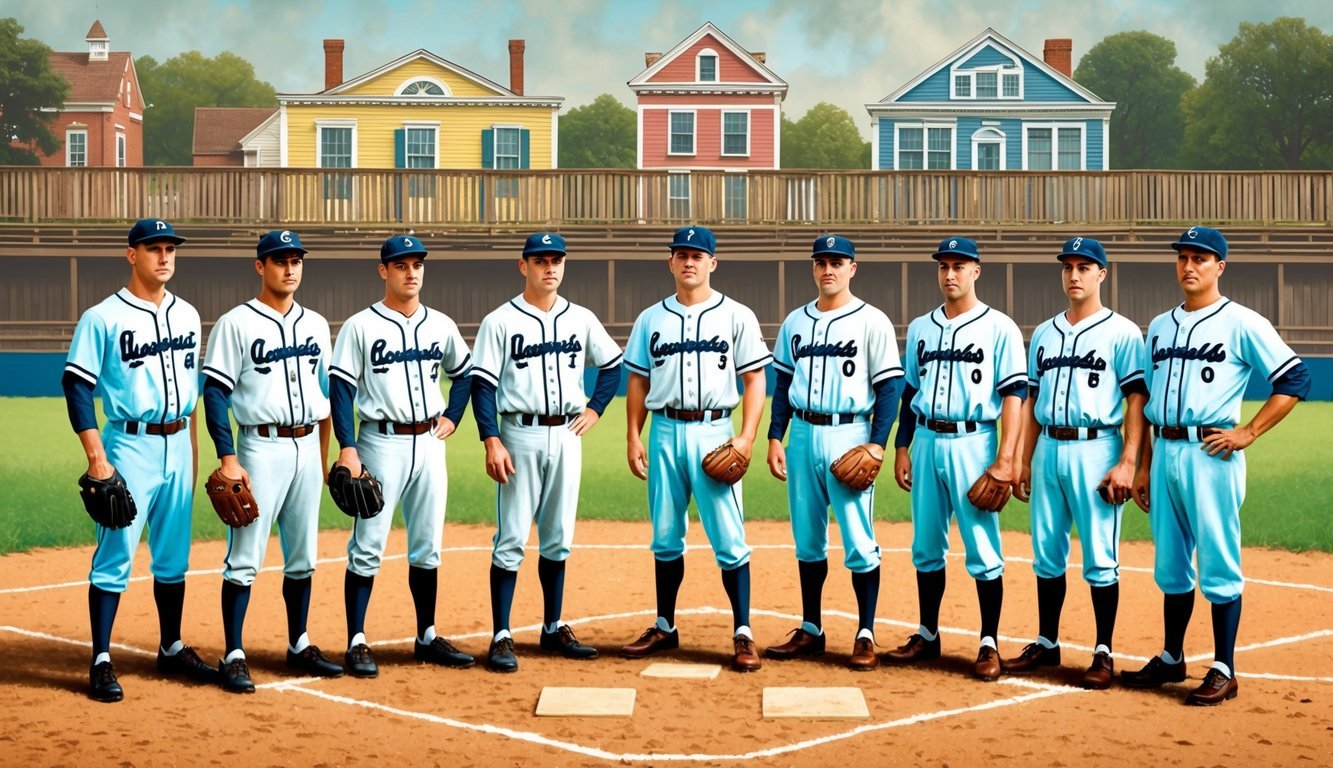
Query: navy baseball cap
[543, 242]
[399, 246]
[279, 241]
[835, 246]
[1085, 247]
[1204, 239]
[151, 231]
[699, 238]
[957, 246]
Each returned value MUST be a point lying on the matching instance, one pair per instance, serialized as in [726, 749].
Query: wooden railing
[486, 198]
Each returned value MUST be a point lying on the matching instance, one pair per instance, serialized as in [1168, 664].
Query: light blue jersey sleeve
[1010, 365]
[1263, 349]
[1129, 355]
[751, 354]
[636, 351]
[87, 349]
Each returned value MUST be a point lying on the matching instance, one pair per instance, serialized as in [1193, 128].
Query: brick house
[101, 123]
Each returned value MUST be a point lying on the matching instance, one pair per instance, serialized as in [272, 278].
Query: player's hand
[902, 468]
[499, 464]
[443, 427]
[1022, 482]
[347, 457]
[100, 469]
[1228, 441]
[743, 446]
[638, 459]
[584, 422]
[1002, 471]
[1118, 485]
[1142, 481]
[777, 459]
[232, 468]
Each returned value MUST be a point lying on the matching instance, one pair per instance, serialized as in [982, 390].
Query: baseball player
[139, 350]
[684, 355]
[527, 370]
[839, 375]
[1085, 381]
[964, 371]
[388, 360]
[1198, 360]
[267, 364]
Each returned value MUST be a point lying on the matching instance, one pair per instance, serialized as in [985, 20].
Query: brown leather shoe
[1099, 675]
[801, 643]
[1216, 688]
[917, 648]
[650, 642]
[988, 666]
[863, 657]
[1034, 655]
[747, 656]
[1154, 674]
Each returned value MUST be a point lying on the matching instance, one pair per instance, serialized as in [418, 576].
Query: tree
[599, 135]
[1265, 101]
[175, 87]
[825, 137]
[1137, 70]
[27, 85]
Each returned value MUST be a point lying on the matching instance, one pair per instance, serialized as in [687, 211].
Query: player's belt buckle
[413, 428]
[1072, 433]
[708, 415]
[1185, 433]
[274, 430]
[169, 428]
[531, 419]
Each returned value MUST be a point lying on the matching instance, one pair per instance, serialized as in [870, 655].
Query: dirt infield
[422, 715]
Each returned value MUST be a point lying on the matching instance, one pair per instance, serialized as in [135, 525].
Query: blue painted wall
[988, 56]
[934, 88]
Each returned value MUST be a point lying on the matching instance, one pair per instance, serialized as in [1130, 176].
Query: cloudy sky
[848, 52]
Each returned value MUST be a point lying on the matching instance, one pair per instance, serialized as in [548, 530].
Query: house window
[986, 85]
[423, 87]
[682, 133]
[735, 196]
[1010, 86]
[1070, 147]
[678, 195]
[962, 86]
[910, 157]
[507, 157]
[335, 151]
[120, 150]
[988, 150]
[76, 148]
[707, 66]
[1055, 147]
[925, 147]
[736, 133]
[420, 148]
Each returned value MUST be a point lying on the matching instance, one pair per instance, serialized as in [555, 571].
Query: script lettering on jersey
[520, 352]
[1088, 360]
[381, 358]
[841, 349]
[1209, 353]
[968, 354]
[134, 354]
[662, 350]
[259, 356]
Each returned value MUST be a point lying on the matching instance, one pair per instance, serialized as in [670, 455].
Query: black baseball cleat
[360, 662]
[314, 661]
[1034, 655]
[442, 652]
[236, 676]
[186, 663]
[564, 641]
[102, 683]
[501, 656]
[1154, 674]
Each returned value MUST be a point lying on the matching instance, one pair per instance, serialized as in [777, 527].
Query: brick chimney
[651, 58]
[1059, 55]
[516, 66]
[333, 63]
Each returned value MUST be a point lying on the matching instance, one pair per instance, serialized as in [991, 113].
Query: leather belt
[151, 428]
[411, 428]
[1073, 433]
[828, 419]
[948, 427]
[274, 430]
[1195, 434]
[709, 415]
[533, 419]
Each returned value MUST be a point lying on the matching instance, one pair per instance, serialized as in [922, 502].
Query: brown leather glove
[725, 464]
[858, 468]
[988, 493]
[232, 499]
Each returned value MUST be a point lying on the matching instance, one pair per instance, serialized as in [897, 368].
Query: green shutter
[524, 141]
[400, 148]
[488, 148]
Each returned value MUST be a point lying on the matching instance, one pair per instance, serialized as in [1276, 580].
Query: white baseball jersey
[836, 358]
[276, 366]
[692, 355]
[959, 365]
[1198, 363]
[395, 362]
[536, 358]
[1079, 370]
[143, 358]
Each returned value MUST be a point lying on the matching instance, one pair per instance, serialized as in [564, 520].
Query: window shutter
[400, 148]
[488, 148]
[524, 142]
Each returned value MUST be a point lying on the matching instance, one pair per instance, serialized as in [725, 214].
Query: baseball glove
[858, 468]
[232, 499]
[356, 496]
[108, 501]
[989, 493]
[725, 464]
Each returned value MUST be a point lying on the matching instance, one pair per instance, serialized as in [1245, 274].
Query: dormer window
[423, 86]
[707, 66]
[98, 49]
[988, 83]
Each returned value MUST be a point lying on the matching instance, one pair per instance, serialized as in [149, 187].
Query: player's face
[404, 277]
[691, 267]
[1081, 277]
[1197, 271]
[544, 271]
[153, 263]
[833, 275]
[958, 276]
[281, 273]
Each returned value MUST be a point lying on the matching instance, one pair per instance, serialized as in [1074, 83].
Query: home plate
[585, 702]
[816, 703]
[682, 671]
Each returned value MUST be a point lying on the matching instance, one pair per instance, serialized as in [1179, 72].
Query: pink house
[708, 104]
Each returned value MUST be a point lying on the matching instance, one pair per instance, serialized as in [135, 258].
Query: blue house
[992, 106]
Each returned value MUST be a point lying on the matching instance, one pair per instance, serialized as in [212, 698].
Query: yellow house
[418, 111]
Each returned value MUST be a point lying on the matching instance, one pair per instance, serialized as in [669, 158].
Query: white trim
[777, 137]
[999, 70]
[552, 102]
[874, 143]
[925, 127]
[714, 105]
[990, 135]
[708, 28]
[341, 122]
[427, 78]
[722, 132]
[638, 138]
[433, 126]
[555, 140]
[136, 116]
[1055, 144]
[420, 53]
[259, 128]
[694, 133]
[1106, 143]
[993, 109]
[282, 136]
[495, 146]
[76, 131]
[717, 66]
[122, 149]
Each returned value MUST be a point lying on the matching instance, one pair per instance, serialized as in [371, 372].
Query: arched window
[423, 86]
[988, 150]
[706, 66]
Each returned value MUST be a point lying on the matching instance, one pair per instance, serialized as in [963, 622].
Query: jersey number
[848, 366]
[1207, 374]
[1094, 379]
[976, 375]
[722, 360]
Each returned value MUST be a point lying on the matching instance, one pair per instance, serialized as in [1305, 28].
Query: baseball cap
[957, 246]
[544, 242]
[279, 241]
[699, 238]
[833, 245]
[1204, 239]
[398, 246]
[1085, 247]
[151, 231]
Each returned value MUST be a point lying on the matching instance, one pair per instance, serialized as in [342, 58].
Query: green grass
[41, 459]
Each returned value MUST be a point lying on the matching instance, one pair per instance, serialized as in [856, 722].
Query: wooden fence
[295, 196]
